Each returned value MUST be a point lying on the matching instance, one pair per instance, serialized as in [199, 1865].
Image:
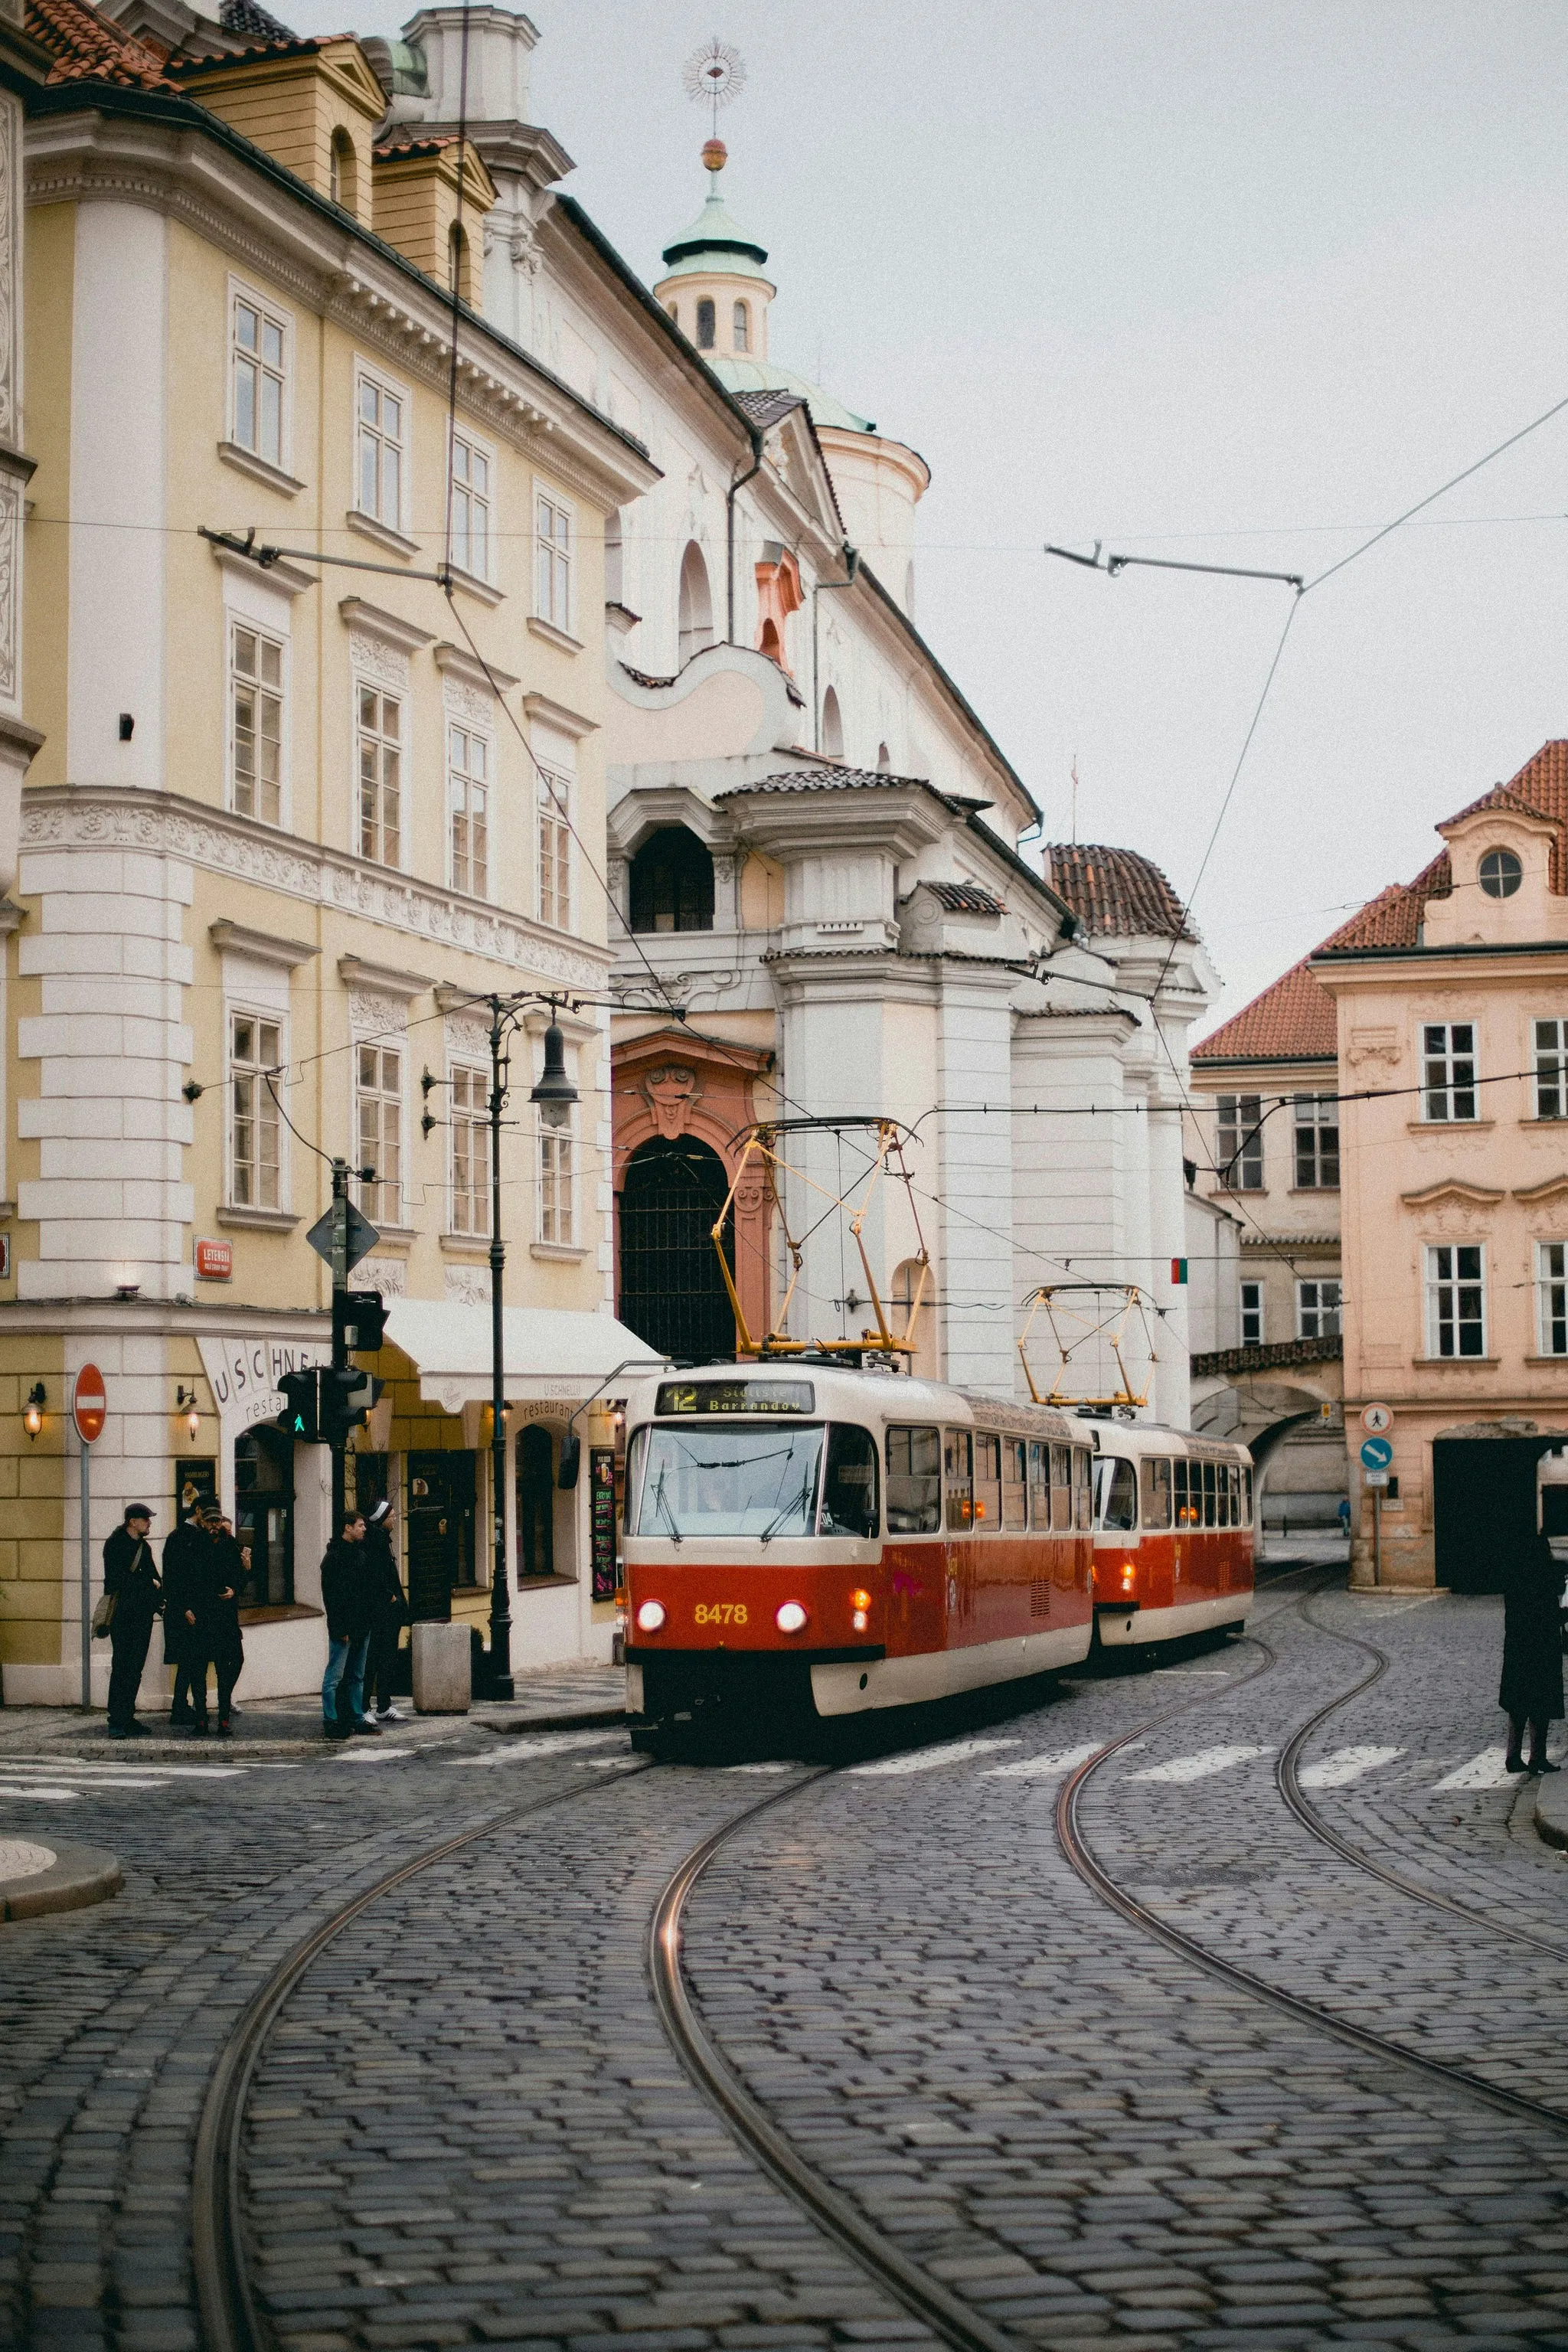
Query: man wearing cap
[130, 1581]
[389, 1611]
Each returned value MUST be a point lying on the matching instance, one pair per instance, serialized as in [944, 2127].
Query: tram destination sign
[735, 1396]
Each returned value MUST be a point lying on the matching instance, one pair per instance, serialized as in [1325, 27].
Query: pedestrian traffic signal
[363, 1315]
[302, 1415]
[347, 1396]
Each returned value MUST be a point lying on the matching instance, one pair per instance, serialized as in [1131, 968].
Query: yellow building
[295, 818]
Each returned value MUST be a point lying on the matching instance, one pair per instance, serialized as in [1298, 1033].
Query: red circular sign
[89, 1404]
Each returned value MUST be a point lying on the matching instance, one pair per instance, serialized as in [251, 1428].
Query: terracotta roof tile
[1293, 1020]
[1392, 918]
[86, 47]
[1115, 893]
[965, 898]
[821, 779]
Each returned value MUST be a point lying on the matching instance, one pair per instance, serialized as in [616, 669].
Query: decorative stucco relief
[10, 521]
[381, 665]
[373, 1015]
[468, 1286]
[467, 704]
[387, 1274]
[221, 843]
[1382, 1045]
[467, 1040]
[671, 1094]
[10, 213]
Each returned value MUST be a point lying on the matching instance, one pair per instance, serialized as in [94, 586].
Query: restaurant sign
[244, 1375]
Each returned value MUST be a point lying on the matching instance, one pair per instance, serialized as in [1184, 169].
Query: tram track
[1286, 1777]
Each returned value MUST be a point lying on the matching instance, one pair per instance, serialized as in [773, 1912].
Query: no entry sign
[89, 1404]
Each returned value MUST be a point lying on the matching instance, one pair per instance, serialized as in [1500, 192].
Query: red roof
[1115, 893]
[1293, 1020]
[86, 47]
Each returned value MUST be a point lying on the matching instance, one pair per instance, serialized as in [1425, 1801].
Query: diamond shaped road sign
[362, 1235]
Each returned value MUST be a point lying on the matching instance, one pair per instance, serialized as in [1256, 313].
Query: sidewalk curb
[587, 1719]
[1552, 1811]
[80, 1875]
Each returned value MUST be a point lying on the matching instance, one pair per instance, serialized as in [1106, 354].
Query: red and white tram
[1173, 1533]
[805, 1539]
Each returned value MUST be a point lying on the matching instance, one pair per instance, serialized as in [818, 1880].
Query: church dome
[715, 245]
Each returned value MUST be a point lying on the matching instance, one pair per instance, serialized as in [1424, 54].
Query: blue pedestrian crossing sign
[1376, 1454]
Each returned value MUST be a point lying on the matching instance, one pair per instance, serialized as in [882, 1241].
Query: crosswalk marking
[1345, 1765]
[550, 1743]
[1199, 1767]
[1041, 1767]
[926, 1759]
[107, 1775]
[41, 1791]
[1482, 1771]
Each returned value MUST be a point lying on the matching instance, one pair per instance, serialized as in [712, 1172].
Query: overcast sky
[1230, 282]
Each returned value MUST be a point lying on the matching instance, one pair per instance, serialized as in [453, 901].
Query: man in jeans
[347, 1600]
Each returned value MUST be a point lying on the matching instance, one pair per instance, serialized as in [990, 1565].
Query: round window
[1502, 873]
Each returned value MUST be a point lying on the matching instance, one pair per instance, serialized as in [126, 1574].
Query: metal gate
[672, 1293]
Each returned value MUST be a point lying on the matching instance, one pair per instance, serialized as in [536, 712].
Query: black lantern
[555, 1093]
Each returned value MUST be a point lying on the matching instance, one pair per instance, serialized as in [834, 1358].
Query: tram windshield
[742, 1479]
[1115, 1493]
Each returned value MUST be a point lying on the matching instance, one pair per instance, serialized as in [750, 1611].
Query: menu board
[602, 1519]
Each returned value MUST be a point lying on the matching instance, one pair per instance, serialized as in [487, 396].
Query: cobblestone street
[466, 2124]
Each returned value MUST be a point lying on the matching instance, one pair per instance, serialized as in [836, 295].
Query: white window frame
[372, 1197]
[236, 1009]
[554, 562]
[388, 388]
[553, 1144]
[364, 684]
[1445, 1280]
[1442, 1065]
[1245, 1154]
[1552, 1297]
[266, 635]
[478, 1083]
[1253, 1306]
[273, 314]
[1325, 1312]
[474, 448]
[461, 780]
[1549, 1057]
[552, 814]
[1314, 1115]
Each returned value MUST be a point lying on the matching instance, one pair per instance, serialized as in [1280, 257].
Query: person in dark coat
[226, 1641]
[346, 1596]
[202, 1595]
[391, 1612]
[131, 1579]
[1531, 1689]
[187, 1556]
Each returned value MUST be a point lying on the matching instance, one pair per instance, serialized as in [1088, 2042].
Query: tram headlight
[789, 1616]
[650, 1616]
[859, 1600]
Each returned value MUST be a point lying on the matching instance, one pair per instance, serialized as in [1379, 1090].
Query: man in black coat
[1531, 1689]
[347, 1600]
[131, 1580]
[225, 1640]
[187, 1565]
[390, 1611]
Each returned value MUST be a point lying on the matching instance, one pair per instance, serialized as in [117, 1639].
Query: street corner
[35, 1878]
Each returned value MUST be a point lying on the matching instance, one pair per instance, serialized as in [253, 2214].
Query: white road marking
[1346, 1764]
[375, 1755]
[521, 1749]
[602, 1763]
[1041, 1767]
[757, 1768]
[1482, 1771]
[41, 1793]
[115, 1775]
[926, 1759]
[1200, 1767]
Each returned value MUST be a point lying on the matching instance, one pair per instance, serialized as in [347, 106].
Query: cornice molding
[390, 628]
[64, 816]
[261, 947]
[1453, 1187]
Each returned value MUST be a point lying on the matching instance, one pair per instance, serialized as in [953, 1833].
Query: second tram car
[1172, 1533]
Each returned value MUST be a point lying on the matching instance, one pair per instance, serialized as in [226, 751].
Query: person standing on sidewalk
[224, 1638]
[1531, 1689]
[346, 1597]
[131, 1581]
[187, 1551]
[390, 1608]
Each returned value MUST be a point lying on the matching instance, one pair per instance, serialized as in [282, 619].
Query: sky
[1217, 282]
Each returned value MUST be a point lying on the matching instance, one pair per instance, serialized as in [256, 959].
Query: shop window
[535, 1502]
[264, 1515]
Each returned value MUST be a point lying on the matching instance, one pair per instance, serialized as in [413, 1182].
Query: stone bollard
[443, 1679]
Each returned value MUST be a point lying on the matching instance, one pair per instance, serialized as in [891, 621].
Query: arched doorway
[696, 607]
[672, 1292]
[535, 1502]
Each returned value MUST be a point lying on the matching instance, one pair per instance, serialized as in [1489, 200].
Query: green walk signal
[302, 1415]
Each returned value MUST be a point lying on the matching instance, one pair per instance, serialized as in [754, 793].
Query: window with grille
[254, 1158]
[1448, 1070]
[1456, 1299]
[1252, 1314]
[258, 352]
[1317, 1310]
[554, 852]
[1317, 1144]
[1239, 1142]
[468, 795]
[379, 1086]
[256, 723]
[552, 563]
[743, 328]
[471, 508]
[1551, 1296]
[557, 1212]
[1552, 1069]
[379, 735]
[467, 1097]
[383, 424]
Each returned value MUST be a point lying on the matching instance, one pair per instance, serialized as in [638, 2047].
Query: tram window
[1115, 1494]
[1233, 1477]
[1061, 1488]
[987, 1482]
[1207, 1470]
[1083, 1485]
[1040, 1484]
[914, 1481]
[1156, 1491]
[850, 1488]
[959, 1479]
[1246, 1497]
[1014, 1489]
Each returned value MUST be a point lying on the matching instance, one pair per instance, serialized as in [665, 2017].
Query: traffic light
[347, 1395]
[363, 1314]
[302, 1415]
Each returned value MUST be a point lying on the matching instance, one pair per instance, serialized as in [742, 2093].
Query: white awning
[553, 1354]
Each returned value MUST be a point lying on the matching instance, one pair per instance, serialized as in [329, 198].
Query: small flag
[1178, 1269]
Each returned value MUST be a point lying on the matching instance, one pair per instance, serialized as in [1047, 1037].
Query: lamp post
[554, 1095]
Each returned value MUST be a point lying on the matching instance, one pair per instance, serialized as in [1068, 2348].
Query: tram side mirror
[571, 1460]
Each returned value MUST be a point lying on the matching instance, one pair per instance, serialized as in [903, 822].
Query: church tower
[715, 289]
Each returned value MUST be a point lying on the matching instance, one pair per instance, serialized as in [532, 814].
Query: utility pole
[501, 1017]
